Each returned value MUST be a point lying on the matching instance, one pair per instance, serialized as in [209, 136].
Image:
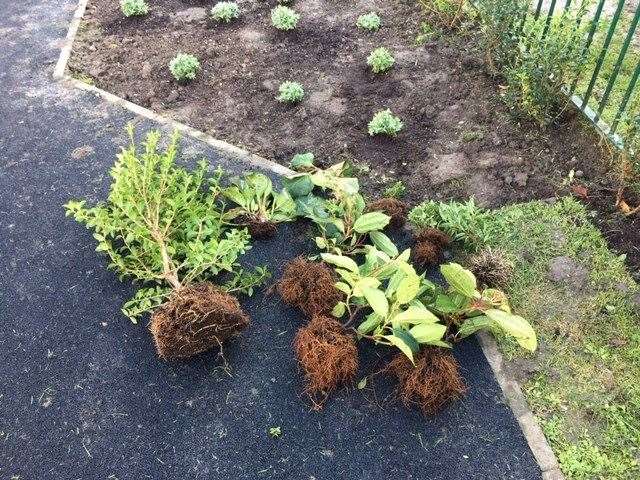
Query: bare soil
[459, 138]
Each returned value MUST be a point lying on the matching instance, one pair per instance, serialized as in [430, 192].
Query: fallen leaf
[580, 191]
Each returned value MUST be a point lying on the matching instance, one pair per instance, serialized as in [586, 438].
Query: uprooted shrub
[309, 286]
[429, 244]
[432, 383]
[327, 354]
[161, 228]
[259, 208]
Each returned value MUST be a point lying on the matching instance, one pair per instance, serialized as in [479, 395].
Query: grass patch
[583, 382]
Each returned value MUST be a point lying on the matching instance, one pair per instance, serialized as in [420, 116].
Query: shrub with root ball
[290, 92]
[380, 60]
[327, 354]
[284, 18]
[196, 318]
[393, 207]
[134, 8]
[310, 286]
[369, 21]
[184, 67]
[429, 246]
[491, 268]
[385, 123]
[432, 383]
[225, 11]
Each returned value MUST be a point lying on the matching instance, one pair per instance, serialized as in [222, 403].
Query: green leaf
[362, 383]
[382, 242]
[365, 282]
[372, 321]
[413, 315]
[405, 342]
[377, 300]
[339, 309]
[515, 326]
[344, 288]
[298, 185]
[302, 161]
[460, 280]
[408, 289]
[340, 261]
[371, 221]
[259, 183]
[428, 333]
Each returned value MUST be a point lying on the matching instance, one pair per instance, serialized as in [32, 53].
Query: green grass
[585, 389]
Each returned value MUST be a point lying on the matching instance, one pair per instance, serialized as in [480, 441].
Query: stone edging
[538, 444]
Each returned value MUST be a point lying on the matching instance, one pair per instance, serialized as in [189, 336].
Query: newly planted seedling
[369, 21]
[380, 60]
[284, 18]
[161, 228]
[385, 123]
[258, 206]
[225, 11]
[134, 8]
[184, 67]
[290, 92]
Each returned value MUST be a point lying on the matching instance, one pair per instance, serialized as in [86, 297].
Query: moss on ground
[583, 383]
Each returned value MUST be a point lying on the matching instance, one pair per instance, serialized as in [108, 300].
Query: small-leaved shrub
[225, 11]
[290, 92]
[369, 21]
[385, 123]
[133, 8]
[380, 60]
[395, 190]
[184, 67]
[284, 18]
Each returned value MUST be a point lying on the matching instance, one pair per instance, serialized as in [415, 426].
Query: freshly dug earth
[433, 382]
[310, 286]
[328, 356]
[194, 319]
[396, 209]
[459, 138]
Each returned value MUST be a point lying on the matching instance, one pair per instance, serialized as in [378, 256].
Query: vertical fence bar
[538, 9]
[547, 23]
[585, 50]
[616, 68]
[627, 96]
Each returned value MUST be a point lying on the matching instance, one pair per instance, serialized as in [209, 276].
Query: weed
[471, 135]
[134, 8]
[369, 21]
[284, 18]
[380, 60]
[275, 432]
[395, 190]
[225, 11]
[184, 67]
[385, 123]
[290, 92]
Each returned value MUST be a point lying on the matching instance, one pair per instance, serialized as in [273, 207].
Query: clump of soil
[396, 209]
[491, 268]
[433, 382]
[261, 230]
[194, 319]
[328, 356]
[310, 286]
[429, 246]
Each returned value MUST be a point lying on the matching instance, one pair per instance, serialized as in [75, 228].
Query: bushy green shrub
[284, 18]
[385, 123]
[225, 11]
[369, 21]
[184, 67]
[380, 60]
[133, 8]
[290, 92]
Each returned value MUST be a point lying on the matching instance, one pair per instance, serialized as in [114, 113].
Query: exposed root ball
[194, 319]
[491, 268]
[396, 209]
[433, 235]
[327, 355]
[260, 230]
[426, 253]
[432, 383]
[310, 286]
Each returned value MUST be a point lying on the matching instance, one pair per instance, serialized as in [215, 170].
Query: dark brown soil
[261, 230]
[328, 356]
[194, 319]
[396, 209]
[433, 382]
[310, 286]
[459, 139]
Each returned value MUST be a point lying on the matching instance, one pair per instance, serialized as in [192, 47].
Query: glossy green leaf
[371, 322]
[408, 289]
[370, 222]
[428, 333]
[459, 279]
[377, 300]
[384, 243]
[339, 309]
[340, 261]
[414, 315]
[515, 326]
[298, 185]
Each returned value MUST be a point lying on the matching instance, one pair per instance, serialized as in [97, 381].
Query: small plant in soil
[259, 208]
[162, 228]
[134, 8]
[284, 18]
[275, 432]
[225, 11]
[395, 190]
[369, 21]
[290, 92]
[380, 60]
[342, 220]
[184, 67]
[385, 123]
